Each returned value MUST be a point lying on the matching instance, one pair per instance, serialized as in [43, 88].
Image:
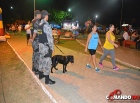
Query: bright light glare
[69, 10]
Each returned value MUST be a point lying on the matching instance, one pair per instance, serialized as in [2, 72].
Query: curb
[37, 80]
[127, 64]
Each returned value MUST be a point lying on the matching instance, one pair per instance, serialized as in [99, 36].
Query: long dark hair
[93, 25]
[110, 25]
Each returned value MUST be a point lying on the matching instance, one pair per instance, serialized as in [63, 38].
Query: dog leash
[59, 49]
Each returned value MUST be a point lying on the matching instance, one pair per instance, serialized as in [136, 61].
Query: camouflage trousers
[35, 56]
[45, 61]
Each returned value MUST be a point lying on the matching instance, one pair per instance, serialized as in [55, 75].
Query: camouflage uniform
[46, 47]
[35, 46]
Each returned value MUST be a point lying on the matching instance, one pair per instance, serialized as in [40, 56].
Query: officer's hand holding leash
[53, 51]
[31, 40]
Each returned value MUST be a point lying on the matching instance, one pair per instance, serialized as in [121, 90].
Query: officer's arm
[34, 35]
[35, 31]
[48, 32]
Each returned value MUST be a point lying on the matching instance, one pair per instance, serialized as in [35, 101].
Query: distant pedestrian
[19, 29]
[109, 47]
[13, 28]
[90, 25]
[91, 45]
[28, 31]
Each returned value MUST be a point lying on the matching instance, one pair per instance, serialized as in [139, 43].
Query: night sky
[108, 11]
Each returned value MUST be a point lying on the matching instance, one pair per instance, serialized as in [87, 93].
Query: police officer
[35, 40]
[46, 47]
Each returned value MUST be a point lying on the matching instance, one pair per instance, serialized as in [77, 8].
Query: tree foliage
[58, 16]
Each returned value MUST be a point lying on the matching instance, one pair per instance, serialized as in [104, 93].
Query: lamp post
[121, 14]
[96, 18]
[69, 10]
[34, 5]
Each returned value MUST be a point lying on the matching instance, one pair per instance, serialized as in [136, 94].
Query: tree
[58, 16]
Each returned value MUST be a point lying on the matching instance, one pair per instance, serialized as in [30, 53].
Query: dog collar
[66, 57]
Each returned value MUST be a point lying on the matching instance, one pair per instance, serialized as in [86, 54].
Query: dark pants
[138, 44]
[28, 36]
[121, 41]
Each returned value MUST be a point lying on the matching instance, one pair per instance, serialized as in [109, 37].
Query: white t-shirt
[125, 35]
[27, 28]
[13, 27]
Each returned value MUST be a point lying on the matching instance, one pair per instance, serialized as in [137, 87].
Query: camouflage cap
[37, 12]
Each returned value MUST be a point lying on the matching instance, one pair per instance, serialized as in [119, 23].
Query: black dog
[62, 60]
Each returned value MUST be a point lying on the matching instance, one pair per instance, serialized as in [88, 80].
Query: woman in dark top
[136, 38]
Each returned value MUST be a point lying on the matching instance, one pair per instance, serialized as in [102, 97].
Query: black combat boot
[33, 69]
[36, 71]
[48, 80]
[41, 75]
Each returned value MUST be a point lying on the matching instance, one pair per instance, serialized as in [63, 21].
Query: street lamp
[96, 18]
[11, 7]
[121, 15]
[69, 10]
[34, 5]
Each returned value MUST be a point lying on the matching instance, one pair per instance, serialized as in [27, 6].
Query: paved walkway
[130, 56]
[79, 84]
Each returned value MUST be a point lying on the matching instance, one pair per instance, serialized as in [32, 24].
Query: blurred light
[11, 7]
[69, 10]
[96, 16]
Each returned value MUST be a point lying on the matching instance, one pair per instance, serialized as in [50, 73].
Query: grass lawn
[72, 44]
[17, 33]
[16, 83]
[101, 36]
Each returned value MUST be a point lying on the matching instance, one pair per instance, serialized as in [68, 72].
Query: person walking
[28, 31]
[19, 29]
[46, 47]
[91, 45]
[109, 47]
[35, 41]
[13, 28]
